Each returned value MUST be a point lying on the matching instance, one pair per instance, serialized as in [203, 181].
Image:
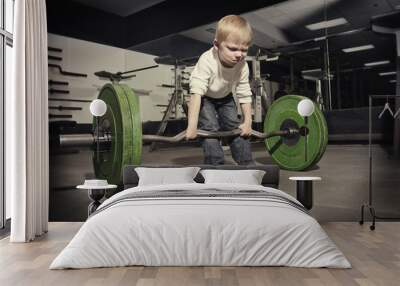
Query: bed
[201, 224]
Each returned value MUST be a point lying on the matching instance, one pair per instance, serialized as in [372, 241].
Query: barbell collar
[304, 130]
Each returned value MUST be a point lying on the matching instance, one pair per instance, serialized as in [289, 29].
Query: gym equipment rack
[369, 205]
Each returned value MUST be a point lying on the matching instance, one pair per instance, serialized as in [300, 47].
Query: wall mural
[344, 62]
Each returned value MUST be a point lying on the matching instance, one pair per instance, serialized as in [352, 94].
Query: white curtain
[27, 124]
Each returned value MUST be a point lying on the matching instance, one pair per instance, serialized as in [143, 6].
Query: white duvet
[183, 231]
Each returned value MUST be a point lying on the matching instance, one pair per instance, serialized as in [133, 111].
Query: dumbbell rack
[55, 90]
[369, 205]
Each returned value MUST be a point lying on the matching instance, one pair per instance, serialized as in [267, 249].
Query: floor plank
[374, 255]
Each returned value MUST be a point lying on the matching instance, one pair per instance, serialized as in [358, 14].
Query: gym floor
[338, 197]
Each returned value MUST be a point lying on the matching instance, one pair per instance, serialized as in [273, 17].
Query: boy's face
[231, 52]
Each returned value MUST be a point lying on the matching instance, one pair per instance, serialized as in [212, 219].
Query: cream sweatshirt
[212, 79]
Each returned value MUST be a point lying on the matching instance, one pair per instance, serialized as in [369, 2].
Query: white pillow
[248, 177]
[163, 176]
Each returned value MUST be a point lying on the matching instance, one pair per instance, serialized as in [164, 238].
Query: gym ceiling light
[378, 63]
[387, 73]
[310, 71]
[359, 48]
[327, 24]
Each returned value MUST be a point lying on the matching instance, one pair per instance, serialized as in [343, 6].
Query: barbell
[294, 142]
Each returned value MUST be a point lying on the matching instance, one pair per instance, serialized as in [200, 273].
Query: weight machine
[319, 99]
[262, 99]
[118, 76]
[177, 96]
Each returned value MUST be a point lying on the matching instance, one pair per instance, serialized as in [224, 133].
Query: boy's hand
[246, 129]
[191, 133]
[193, 116]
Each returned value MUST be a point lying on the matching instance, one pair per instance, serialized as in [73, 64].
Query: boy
[218, 71]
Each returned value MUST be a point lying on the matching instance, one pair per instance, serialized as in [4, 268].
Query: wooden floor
[374, 255]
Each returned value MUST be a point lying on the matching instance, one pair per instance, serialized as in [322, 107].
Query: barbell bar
[117, 138]
[88, 139]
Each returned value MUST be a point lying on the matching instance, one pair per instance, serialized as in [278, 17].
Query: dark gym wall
[75, 20]
[175, 45]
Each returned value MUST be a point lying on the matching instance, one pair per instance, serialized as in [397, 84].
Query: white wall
[88, 57]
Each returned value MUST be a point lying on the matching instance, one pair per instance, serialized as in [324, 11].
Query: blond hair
[234, 26]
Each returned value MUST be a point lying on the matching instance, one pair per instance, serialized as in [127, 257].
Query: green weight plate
[136, 124]
[324, 126]
[124, 126]
[322, 149]
[290, 154]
